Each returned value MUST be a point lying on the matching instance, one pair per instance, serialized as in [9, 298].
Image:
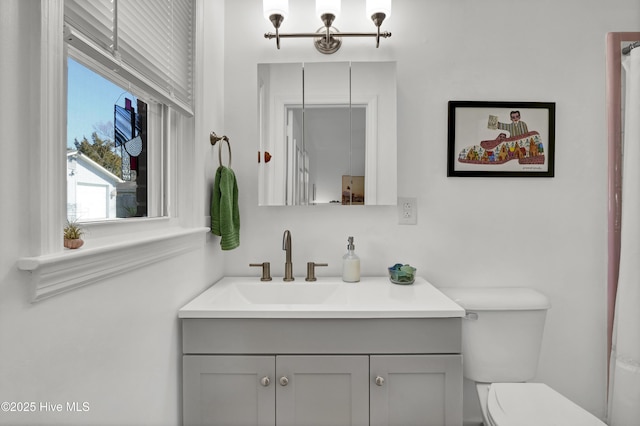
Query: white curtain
[624, 369]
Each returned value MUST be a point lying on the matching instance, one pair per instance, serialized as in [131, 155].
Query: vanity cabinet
[296, 372]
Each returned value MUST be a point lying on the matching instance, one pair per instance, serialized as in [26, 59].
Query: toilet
[501, 339]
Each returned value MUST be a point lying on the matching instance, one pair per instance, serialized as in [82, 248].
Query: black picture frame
[482, 142]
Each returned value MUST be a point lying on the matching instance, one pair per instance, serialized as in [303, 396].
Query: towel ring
[226, 139]
[213, 138]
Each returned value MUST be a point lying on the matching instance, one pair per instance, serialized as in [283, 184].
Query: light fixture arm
[276, 19]
[377, 19]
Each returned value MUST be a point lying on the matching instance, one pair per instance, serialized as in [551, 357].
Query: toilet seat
[529, 404]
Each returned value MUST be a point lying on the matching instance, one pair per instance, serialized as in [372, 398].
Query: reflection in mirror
[328, 154]
[319, 141]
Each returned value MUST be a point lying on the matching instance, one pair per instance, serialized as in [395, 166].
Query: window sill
[56, 273]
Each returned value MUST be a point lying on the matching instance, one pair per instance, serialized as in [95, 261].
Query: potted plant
[72, 233]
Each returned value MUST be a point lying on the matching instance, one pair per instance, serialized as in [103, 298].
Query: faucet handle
[266, 270]
[311, 271]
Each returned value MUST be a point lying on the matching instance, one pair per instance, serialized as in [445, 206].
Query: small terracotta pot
[73, 244]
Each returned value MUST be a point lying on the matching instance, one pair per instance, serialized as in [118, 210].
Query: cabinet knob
[379, 381]
[265, 381]
[284, 381]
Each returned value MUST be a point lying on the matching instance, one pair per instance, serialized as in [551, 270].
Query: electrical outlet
[407, 210]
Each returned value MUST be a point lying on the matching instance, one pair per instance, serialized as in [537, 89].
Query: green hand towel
[225, 214]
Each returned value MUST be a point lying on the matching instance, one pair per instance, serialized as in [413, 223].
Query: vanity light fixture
[327, 39]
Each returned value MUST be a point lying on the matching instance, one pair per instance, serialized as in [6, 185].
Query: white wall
[116, 344]
[549, 234]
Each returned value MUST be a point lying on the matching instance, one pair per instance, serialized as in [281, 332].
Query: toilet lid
[534, 404]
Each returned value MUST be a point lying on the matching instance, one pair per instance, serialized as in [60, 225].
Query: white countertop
[329, 297]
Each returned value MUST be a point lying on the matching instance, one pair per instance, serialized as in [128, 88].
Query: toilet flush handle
[473, 316]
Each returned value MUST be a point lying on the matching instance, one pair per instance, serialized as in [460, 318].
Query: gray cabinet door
[410, 390]
[322, 390]
[228, 390]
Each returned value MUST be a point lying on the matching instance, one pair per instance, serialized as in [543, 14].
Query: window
[106, 148]
[112, 45]
[149, 57]
[139, 67]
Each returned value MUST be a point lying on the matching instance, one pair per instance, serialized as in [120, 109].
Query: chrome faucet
[288, 266]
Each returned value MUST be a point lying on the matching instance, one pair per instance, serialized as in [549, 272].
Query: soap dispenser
[350, 264]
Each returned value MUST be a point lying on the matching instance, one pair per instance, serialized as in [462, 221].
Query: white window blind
[149, 40]
[93, 18]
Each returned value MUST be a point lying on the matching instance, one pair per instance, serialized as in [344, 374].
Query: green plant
[73, 230]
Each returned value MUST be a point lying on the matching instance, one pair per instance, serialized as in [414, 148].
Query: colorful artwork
[481, 145]
[526, 149]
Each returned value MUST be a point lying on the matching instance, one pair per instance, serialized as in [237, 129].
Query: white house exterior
[91, 189]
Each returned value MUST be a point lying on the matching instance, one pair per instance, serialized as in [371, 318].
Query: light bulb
[328, 6]
[275, 7]
[378, 6]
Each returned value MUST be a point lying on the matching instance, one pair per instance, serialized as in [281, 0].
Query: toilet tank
[502, 332]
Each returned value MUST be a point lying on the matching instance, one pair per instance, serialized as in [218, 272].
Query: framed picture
[493, 139]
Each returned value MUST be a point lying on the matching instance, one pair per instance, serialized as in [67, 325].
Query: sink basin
[289, 293]
[329, 297]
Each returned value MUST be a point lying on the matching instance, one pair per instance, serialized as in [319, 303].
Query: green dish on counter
[402, 274]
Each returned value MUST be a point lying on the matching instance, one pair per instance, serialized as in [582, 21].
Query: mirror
[327, 133]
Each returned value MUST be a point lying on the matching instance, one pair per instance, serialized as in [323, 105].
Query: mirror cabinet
[327, 133]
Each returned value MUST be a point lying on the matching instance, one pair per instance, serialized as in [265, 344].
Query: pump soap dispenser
[350, 264]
